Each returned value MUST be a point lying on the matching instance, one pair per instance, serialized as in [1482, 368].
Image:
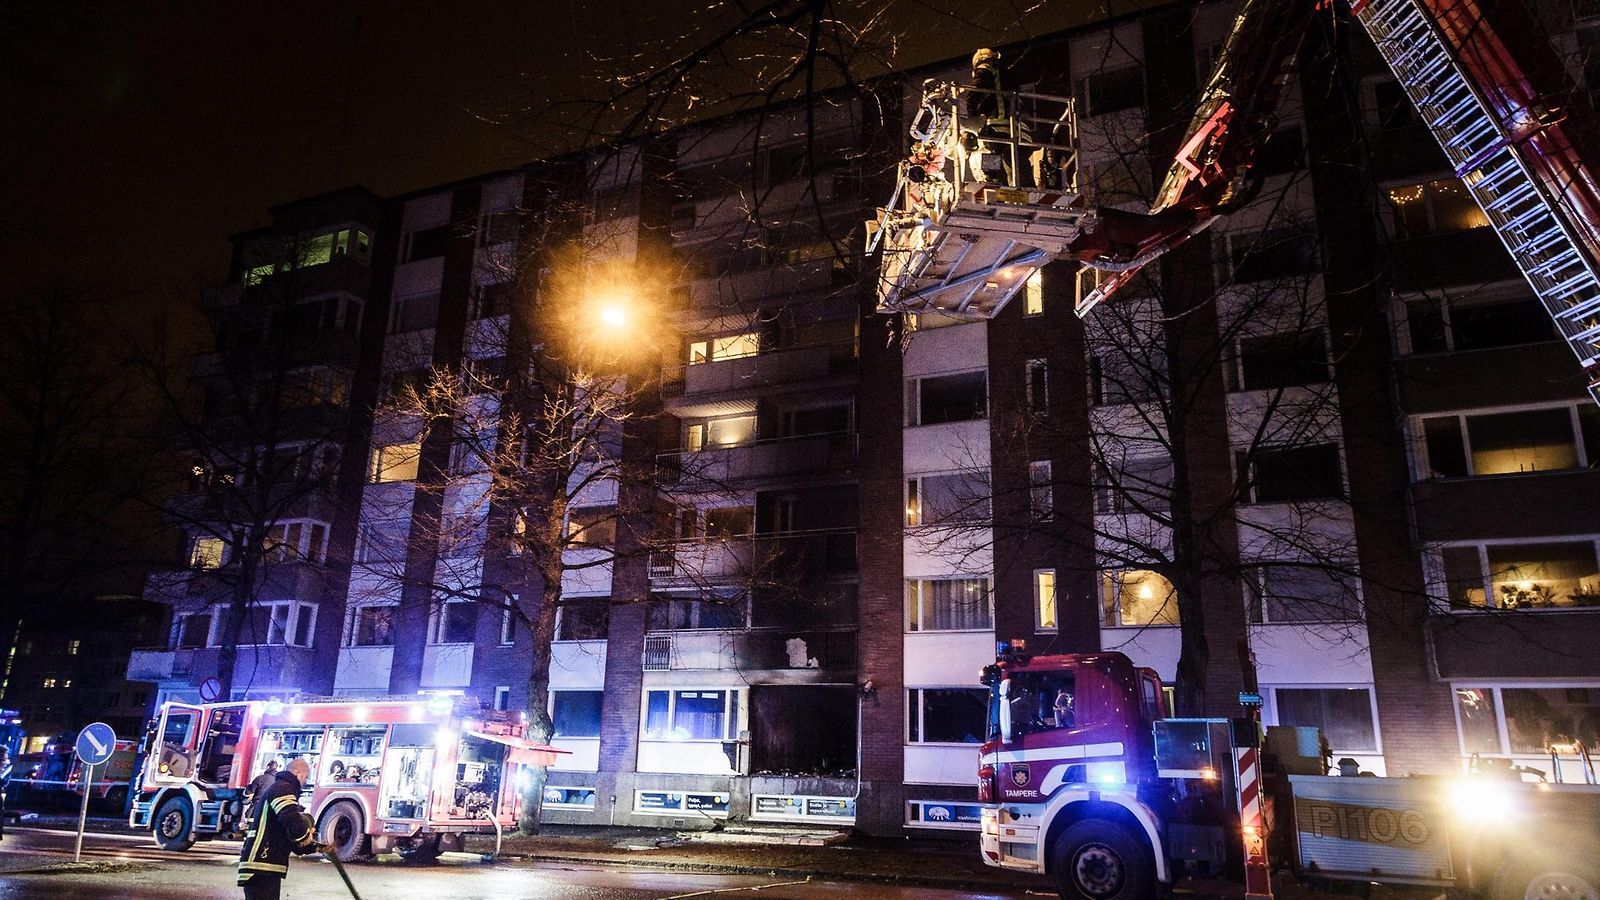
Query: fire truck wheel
[1560, 876]
[173, 824]
[424, 849]
[342, 827]
[1098, 859]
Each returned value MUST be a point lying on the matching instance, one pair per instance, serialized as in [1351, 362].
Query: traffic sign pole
[83, 816]
[95, 744]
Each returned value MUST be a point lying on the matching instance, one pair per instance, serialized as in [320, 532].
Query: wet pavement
[37, 863]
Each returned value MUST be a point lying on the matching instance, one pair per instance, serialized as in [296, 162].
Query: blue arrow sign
[96, 742]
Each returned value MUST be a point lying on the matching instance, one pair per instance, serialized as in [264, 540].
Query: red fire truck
[414, 776]
[1083, 778]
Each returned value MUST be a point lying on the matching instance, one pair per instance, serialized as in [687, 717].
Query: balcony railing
[827, 549]
[773, 458]
[769, 367]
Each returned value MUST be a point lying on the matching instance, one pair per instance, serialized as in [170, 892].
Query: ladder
[1534, 225]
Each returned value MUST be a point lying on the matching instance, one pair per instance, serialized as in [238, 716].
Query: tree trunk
[540, 726]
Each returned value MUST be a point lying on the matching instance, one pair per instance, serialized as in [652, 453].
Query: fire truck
[1084, 778]
[414, 776]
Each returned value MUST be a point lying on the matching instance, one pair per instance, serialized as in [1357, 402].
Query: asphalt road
[37, 863]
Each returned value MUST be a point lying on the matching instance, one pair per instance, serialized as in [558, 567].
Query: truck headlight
[1481, 801]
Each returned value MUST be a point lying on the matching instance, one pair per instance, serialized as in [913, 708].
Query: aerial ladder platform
[983, 201]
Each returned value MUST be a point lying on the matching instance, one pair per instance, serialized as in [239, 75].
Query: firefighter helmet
[984, 57]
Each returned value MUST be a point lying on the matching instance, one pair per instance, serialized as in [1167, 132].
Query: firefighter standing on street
[280, 827]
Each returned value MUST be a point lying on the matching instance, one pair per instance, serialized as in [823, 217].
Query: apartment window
[1133, 486]
[192, 631]
[1260, 256]
[413, 313]
[1542, 575]
[1116, 376]
[1038, 387]
[696, 613]
[1044, 600]
[48, 682]
[576, 713]
[1137, 598]
[583, 621]
[426, 243]
[1532, 720]
[296, 541]
[309, 316]
[279, 623]
[946, 715]
[696, 715]
[728, 346]
[1282, 360]
[592, 526]
[1108, 92]
[394, 462]
[936, 399]
[1289, 593]
[1033, 294]
[949, 604]
[1041, 491]
[207, 552]
[1344, 715]
[508, 627]
[382, 542]
[1476, 321]
[1293, 474]
[497, 228]
[1391, 105]
[724, 523]
[490, 300]
[1538, 440]
[1440, 206]
[947, 499]
[454, 622]
[502, 697]
[729, 431]
[73, 646]
[372, 626]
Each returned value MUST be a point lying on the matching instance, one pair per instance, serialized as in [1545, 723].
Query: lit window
[1138, 597]
[592, 526]
[73, 647]
[1033, 293]
[946, 715]
[49, 682]
[207, 552]
[395, 462]
[1440, 206]
[508, 627]
[1544, 575]
[1538, 440]
[948, 604]
[1044, 599]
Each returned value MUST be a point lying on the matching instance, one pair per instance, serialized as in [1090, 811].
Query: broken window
[826, 745]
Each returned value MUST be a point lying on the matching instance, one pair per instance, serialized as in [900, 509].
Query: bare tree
[263, 421]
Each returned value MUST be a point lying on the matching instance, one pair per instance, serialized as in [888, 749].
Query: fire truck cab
[410, 775]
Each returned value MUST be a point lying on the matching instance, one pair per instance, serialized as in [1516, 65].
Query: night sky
[138, 135]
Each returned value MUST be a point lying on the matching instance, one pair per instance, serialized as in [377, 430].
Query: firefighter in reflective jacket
[279, 827]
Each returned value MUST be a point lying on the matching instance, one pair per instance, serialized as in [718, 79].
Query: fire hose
[333, 857]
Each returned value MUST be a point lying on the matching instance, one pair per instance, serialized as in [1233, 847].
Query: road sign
[96, 742]
[210, 690]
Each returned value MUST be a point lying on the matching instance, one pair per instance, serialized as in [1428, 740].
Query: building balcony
[699, 561]
[687, 385]
[805, 655]
[1496, 507]
[261, 667]
[158, 663]
[776, 458]
[1491, 644]
[1522, 374]
[1475, 256]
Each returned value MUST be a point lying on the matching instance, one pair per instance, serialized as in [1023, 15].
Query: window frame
[1250, 461]
[1372, 712]
[914, 415]
[730, 716]
[437, 621]
[1255, 587]
[979, 514]
[376, 469]
[1496, 687]
[1112, 605]
[924, 613]
[1439, 577]
[916, 716]
[1036, 583]
[1422, 458]
[291, 629]
[353, 624]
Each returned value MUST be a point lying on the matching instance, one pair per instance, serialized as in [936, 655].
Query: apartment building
[1336, 427]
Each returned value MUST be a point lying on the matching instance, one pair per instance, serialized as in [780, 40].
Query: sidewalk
[935, 863]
